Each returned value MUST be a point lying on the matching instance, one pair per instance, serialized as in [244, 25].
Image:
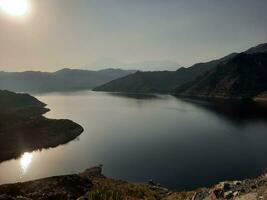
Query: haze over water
[178, 143]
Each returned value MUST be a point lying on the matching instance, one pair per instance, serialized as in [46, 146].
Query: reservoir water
[181, 144]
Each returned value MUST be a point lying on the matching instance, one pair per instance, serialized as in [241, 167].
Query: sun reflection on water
[25, 162]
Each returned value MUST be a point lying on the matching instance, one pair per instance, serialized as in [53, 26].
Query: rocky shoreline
[208, 97]
[93, 185]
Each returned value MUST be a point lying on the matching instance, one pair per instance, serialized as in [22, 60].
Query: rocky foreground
[93, 185]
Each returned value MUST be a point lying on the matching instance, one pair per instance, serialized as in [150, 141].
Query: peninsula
[24, 128]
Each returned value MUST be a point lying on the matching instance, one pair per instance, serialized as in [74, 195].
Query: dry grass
[110, 189]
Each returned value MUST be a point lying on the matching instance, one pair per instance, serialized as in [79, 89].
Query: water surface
[179, 143]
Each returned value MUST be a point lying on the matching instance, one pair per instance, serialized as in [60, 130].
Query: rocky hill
[243, 76]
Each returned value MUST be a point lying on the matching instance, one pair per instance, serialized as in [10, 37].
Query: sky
[81, 33]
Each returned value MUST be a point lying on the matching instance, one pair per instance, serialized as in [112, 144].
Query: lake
[181, 144]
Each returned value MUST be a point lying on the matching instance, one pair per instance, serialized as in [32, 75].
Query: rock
[226, 186]
[6, 197]
[218, 193]
[237, 182]
[211, 196]
[200, 195]
[82, 198]
[151, 182]
[94, 172]
[250, 196]
[253, 187]
[228, 194]
[223, 186]
[236, 193]
[22, 198]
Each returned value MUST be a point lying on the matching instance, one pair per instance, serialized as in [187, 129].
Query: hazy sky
[74, 33]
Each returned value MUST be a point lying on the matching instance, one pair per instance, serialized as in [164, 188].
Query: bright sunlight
[15, 7]
[25, 161]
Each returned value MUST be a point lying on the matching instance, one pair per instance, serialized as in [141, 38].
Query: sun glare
[25, 161]
[15, 7]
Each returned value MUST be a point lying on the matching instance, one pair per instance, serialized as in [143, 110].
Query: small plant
[104, 194]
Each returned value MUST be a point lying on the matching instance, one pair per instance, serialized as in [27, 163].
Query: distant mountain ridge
[166, 81]
[62, 80]
[158, 65]
[148, 82]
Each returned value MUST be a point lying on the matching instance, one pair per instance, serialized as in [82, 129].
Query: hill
[243, 76]
[166, 81]
[23, 128]
[62, 80]
[154, 82]
[148, 82]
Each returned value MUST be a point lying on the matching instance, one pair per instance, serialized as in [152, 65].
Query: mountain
[166, 81]
[158, 65]
[148, 82]
[62, 80]
[261, 48]
[204, 67]
[158, 81]
[243, 76]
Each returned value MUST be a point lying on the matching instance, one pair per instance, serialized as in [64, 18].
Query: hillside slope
[243, 76]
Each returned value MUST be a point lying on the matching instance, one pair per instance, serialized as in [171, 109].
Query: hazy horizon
[56, 34]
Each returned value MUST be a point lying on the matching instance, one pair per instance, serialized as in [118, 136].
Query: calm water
[178, 143]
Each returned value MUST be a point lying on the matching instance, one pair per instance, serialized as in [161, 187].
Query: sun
[15, 7]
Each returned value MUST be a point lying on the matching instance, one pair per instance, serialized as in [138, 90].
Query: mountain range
[62, 80]
[181, 80]
[157, 65]
[235, 75]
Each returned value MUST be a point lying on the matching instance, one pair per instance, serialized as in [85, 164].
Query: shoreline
[93, 185]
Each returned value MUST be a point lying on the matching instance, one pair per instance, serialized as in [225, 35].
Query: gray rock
[22, 198]
[228, 194]
[82, 198]
[6, 197]
[151, 182]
